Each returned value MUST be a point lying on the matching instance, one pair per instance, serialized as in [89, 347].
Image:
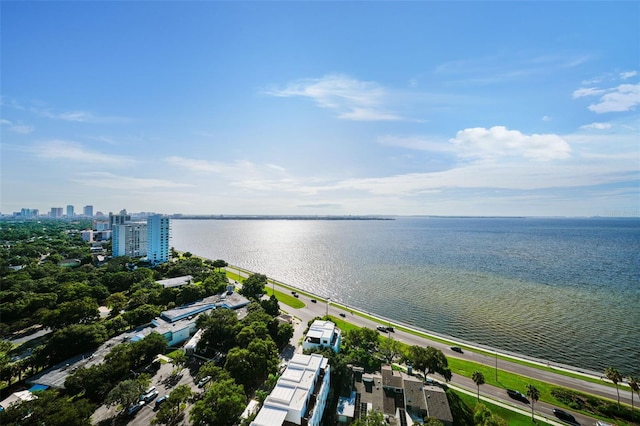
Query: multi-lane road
[544, 410]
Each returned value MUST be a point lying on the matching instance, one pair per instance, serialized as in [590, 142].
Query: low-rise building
[402, 398]
[300, 395]
[323, 334]
[176, 281]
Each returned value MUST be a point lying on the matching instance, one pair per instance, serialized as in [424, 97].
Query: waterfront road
[321, 308]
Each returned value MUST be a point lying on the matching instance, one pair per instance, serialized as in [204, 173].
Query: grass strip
[285, 298]
[512, 418]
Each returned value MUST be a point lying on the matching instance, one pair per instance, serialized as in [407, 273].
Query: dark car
[314, 301]
[382, 328]
[161, 400]
[391, 330]
[517, 395]
[342, 314]
[456, 349]
[135, 408]
[563, 415]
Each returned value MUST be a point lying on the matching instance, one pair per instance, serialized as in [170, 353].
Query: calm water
[566, 290]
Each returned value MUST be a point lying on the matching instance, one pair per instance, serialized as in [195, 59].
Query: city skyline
[314, 108]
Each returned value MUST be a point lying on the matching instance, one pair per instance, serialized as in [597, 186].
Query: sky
[322, 108]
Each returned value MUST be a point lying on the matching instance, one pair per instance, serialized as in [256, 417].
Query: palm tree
[635, 387]
[615, 376]
[534, 394]
[478, 378]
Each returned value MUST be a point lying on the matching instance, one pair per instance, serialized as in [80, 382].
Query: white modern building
[323, 334]
[300, 396]
[158, 239]
[129, 239]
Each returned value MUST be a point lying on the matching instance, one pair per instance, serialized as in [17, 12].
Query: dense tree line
[37, 289]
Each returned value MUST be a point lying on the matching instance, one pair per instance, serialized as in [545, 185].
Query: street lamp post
[496, 366]
[328, 301]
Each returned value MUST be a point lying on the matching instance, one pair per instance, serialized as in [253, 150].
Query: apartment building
[158, 239]
[300, 396]
[129, 239]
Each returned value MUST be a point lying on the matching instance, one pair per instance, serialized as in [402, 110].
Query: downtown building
[56, 212]
[87, 211]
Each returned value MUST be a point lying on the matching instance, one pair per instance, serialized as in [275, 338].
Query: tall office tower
[118, 219]
[87, 211]
[70, 210]
[158, 238]
[56, 212]
[129, 239]
[29, 213]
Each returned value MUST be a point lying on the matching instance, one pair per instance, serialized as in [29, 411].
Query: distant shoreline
[277, 217]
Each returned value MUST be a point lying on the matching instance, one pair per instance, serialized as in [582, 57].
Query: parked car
[342, 314]
[456, 349]
[160, 400]
[517, 395]
[204, 381]
[150, 395]
[563, 415]
[135, 408]
[314, 301]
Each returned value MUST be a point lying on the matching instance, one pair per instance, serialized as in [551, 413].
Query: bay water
[562, 290]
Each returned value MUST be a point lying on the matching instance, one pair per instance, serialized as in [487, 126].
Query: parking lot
[164, 383]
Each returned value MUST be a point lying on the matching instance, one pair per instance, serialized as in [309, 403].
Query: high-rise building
[129, 239]
[56, 212]
[158, 238]
[118, 219]
[70, 211]
[87, 211]
[29, 213]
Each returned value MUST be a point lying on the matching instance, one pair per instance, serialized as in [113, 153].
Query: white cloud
[628, 74]
[197, 165]
[587, 91]
[546, 118]
[352, 99]
[498, 141]
[65, 150]
[419, 143]
[17, 128]
[129, 183]
[518, 175]
[622, 98]
[596, 126]
[78, 116]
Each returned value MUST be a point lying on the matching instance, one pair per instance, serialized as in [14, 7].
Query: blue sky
[330, 108]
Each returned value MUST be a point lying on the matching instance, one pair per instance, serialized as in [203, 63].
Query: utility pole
[496, 366]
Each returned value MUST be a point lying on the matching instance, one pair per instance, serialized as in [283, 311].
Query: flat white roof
[175, 282]
[322, 329]
[292, 389]
[270, 416]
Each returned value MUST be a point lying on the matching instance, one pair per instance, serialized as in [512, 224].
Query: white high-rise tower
[158, 238]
